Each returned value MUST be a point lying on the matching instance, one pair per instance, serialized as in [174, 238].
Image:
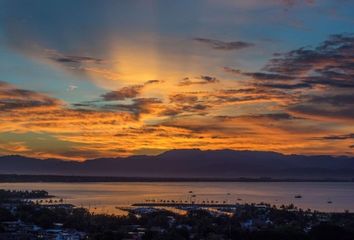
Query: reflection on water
[108, 197]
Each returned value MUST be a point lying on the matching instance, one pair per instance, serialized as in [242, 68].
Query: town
[23, 215]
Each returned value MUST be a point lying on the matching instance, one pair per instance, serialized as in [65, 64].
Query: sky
[88, 78]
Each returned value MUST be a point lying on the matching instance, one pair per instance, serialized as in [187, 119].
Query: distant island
[191, 164]
[13, 178]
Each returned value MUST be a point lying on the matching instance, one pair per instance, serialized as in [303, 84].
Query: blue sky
[203, 57]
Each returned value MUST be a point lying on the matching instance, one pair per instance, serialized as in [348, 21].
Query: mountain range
[190, 163]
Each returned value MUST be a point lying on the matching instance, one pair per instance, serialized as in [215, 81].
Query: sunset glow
[87, 79]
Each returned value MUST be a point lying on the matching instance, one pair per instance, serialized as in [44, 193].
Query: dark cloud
[319, 112]
[76, 63]
[320, 79]
[275, 116]
[123, 93]
[137, 107]
[291, 3]
[232, 70]
[328, 81]
[152, 82]
[251, 90]
[330, 64]
[268, 76]
[170, 112]
[251, 94]
[127, 92]
[184, 103]
[220, 45]
[268, 116]
[76, 59]
[333, 59]
[83, 105]
[286, 86]
[336, 100]
[219, 126]
[199, 80]
[339, 137]
[183, 98]
[221, 99]
[12, 98]
[195, 109]
[199, 102]
[259, 75]
[209, 79]
[203, 100]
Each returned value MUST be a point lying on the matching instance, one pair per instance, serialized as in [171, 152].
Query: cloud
[186, 120]
[153, 82]
[123, 93]
[220, 45]
[250, 90]
[320, 113]
[73, 63]
[258, 75]
[16, 99]
[329, 59]
[329, 64]
[247, 127]
[268, 76]
[138, 106]
[70, 59]
[24, 111]
[14, 147]
[336, 139]
[339, 137]
[199, 81]
[297, 95]
[291, 3]
[206, 102]
[183, 98]
[183, 104]
[231, 70]
[275, 116]
[334, 100]
[286, 86]
[180, 103]
[127, 92]
[319, 80]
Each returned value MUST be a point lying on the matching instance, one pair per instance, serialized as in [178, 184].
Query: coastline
[23, 178]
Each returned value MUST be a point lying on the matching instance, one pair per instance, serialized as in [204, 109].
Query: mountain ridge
[190, 163]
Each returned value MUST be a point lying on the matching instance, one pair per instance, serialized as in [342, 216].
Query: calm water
[105, 197]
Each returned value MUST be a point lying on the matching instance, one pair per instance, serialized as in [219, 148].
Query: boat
[297, 196]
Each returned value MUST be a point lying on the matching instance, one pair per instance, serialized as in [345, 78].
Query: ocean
[109, 197]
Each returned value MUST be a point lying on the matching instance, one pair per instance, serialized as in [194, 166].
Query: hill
[190, 163]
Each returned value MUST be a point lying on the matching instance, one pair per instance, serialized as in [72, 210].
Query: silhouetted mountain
[191, 163]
